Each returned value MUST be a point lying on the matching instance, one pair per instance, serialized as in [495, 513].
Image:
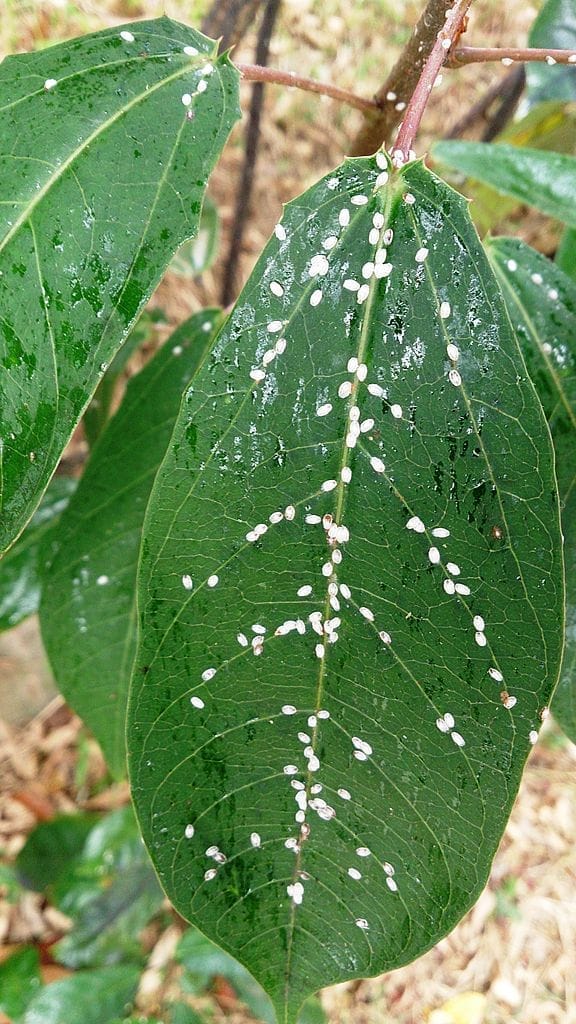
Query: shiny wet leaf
[106, 145]
[350, 593]
[535, 177]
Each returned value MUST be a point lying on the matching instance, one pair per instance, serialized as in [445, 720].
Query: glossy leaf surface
[541, 301]
[535, 177]
[554, 27]
[19, 569]
[106, 145]
[87, 613]
[351, 550]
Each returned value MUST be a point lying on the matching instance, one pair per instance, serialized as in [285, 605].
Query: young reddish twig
[438, 56]
[508, 55]
[257, 73]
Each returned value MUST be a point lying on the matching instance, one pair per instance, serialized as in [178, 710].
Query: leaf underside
[541, 302]
[106, 146]
[88, 608]
[327, 806]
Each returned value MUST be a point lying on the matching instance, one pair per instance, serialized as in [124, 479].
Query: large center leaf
[351, 593]
[106, 144]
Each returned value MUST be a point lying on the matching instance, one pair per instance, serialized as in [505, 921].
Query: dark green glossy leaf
[88, 997]
[19, 569]
[19, 981]
[539, 178]
[566, 255]
[52, 848]
[438, 571]
[541, 301]
[106, 145]
[87, 613]
[555, 27]
[198, 255]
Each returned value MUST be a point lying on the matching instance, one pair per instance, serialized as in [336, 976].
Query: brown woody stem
[395, 93]
[450, 31]
[508, 55]
[257, 73]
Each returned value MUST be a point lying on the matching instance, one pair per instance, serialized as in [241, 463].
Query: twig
[499, 90]
[451, 30]
[230, 21]
[392, 98]
[250, 153]
[257, 73]
[510, 100]
[509, 55]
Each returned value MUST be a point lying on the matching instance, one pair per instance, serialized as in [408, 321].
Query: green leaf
[566, 255]
[89, 997]
[541, 301]
[52, 848]
[555, 27]
[103, 168]
[19, 981]
[541, 179]
[198, 255]
[110, 892]
[19, 575]
[450, 484]
[88, 609]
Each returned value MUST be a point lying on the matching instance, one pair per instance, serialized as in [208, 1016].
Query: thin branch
[509, 102]
[244, 192]
[508, 55]
[439, 54]
[499, 90]
[256, 73]
[392, 98]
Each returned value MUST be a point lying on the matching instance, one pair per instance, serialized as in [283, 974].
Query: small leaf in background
[110, 892]
[82, 246]
[52, 849]
[350, 593]
[535, 177]
[98, 873]
[88, 997]
[541, 301]
[554, 27]
[550, 125]
[566, 255]
[198, 254]
[19, 981]
[19, 569]
[88, 608]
